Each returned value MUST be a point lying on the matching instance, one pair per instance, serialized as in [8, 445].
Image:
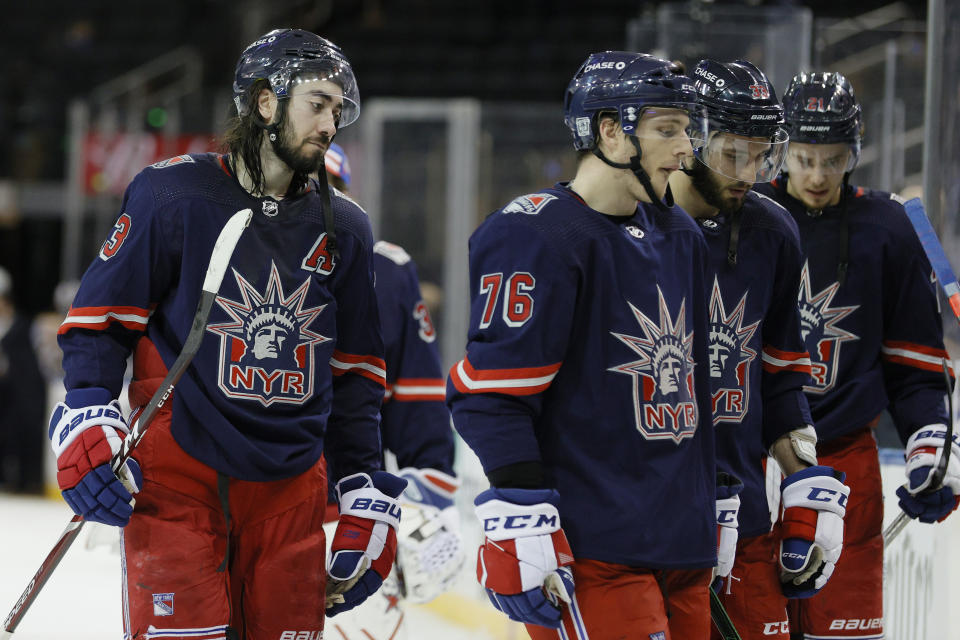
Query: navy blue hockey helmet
[284, 55]
[624, 83]
[821, 108]
[739, 100]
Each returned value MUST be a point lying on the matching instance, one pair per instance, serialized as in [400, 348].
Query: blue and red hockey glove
[814, 505]
[365, 542]
[86, 432]
[917, 498]
[728, 507]
[523, 563]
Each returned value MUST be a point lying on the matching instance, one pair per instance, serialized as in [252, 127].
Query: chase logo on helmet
[266, 349]
[604, 65]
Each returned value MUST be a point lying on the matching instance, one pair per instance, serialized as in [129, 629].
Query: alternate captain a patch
[530, 205]
[266, 349]
[163, 604]
[821, 335]
[663, 396]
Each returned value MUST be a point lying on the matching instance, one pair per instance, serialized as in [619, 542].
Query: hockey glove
[917, 498]
[814, 504]
[522, 563]
[365, 542]
[728, 506]
[430, 550]
[86, 432]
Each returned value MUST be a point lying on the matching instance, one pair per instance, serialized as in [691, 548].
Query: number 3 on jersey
[117, 236]
[518, 303]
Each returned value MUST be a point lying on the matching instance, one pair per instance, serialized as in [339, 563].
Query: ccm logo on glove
[520, 522]
[821, 494]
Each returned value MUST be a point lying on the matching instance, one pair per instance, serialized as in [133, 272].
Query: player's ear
[267, 105]
[608, 129]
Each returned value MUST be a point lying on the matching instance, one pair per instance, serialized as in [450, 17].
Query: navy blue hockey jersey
[292, 356]
[584, 353]
[876, 340]
[757, 358]
[415, 423]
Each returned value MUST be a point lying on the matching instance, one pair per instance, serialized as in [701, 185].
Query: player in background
[757, 359]
[415, 428]
[872, 326]
[232, 490]
[579, 390]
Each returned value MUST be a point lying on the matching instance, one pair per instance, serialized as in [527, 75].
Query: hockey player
[226, 540]
[578, 390]
[870, 320]
[757, 358]
[415, 428]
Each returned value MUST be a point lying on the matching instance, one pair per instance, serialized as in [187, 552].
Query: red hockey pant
[174, 586]
[851, 603]
[617, 602]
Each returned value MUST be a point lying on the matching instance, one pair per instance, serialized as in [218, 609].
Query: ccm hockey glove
[814, 504]
[86, 432]
[917, 498]
[430, 550]
[365, 542]
[524, 558]
[728, 506]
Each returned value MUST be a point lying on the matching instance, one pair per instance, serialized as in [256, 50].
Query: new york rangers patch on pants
[163, 604]
[659, 635]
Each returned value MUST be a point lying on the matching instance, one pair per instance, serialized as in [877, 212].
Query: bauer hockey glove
[814, 504]
[917, 498]
[524, 558]
[86, 432]
[728, 506]
[365, 542]
[430, 549]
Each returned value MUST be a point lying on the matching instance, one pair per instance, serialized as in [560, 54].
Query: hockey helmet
[624, 83]
[821, 108]
[283, 55]
[748, 136]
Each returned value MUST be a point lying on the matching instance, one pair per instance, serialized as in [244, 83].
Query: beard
[302, 158]
[705, 182]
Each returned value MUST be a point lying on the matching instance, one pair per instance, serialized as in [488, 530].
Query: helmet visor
[829, 159]
[664, 123]
[325, 73]
[748, 159]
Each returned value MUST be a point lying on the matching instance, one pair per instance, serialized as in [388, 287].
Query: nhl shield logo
[270, 207]
[663, 396]
[730, 358]
[266, 349]
[821, 335]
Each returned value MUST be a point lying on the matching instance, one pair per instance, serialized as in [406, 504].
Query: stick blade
[223, 249]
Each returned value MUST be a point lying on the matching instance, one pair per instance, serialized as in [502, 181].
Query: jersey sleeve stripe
[516, 382]
[914, 355]
[775, 360]
[418, 389]
[101, 317]
[367, 366]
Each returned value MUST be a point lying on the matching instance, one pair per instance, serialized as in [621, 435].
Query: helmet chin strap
[638, 170]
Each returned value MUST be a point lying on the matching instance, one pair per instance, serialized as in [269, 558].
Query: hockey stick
[943, 270]
[720, 618]
[219, 259]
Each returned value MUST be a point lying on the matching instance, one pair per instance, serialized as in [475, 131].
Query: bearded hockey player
[415, 429]
[872, 327]
[578, 390]
[226, 540]
[758, 361]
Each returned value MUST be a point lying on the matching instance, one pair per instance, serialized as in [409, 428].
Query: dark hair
[244, 136]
